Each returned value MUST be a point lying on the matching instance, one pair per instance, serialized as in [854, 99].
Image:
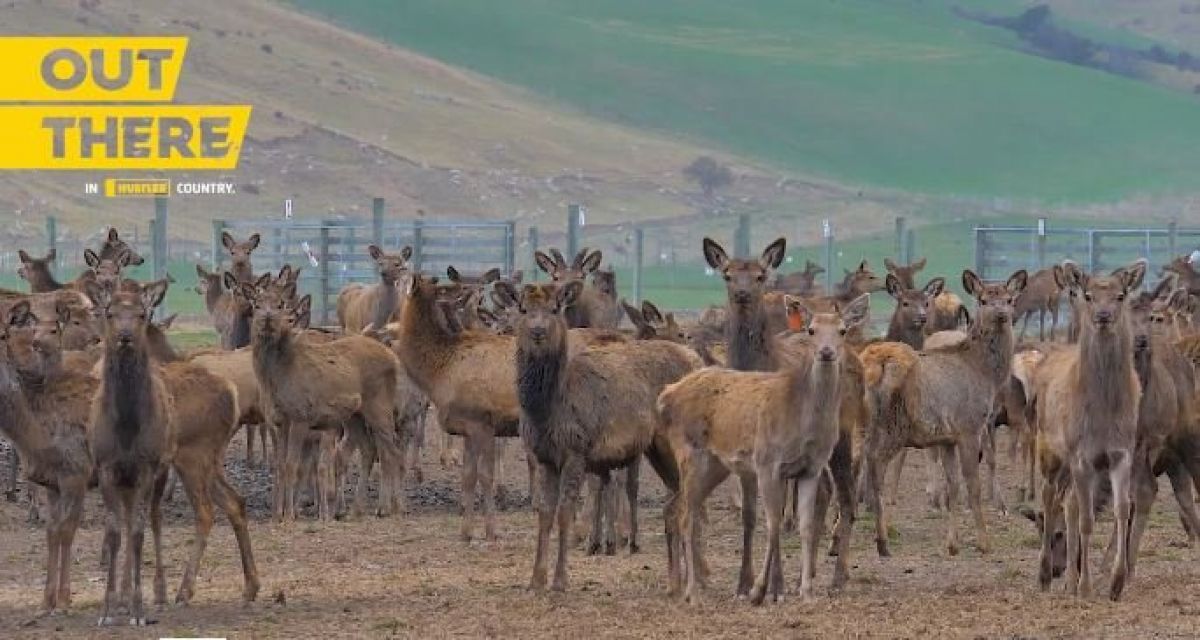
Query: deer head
[912, 305]
[114, 245]
[276, 310]
[541, 323]
[745, 280]
[107, 271]
[827, 331]
[585, 262]
[125, 313]
[907, 273]
[391, 267]
[239, 255]
[995, 302]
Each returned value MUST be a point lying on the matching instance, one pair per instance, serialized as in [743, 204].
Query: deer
[309, 385]
[591, 411]
[905, 273]
[943, 398]
[359, 305]
[597, 306]
[1042, 296]
[800, 283]
[1087, 413]
[36, 271]
[239, 255]
[53, 444]
[765, 428]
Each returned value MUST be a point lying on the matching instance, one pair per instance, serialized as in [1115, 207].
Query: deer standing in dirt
[943, 398]
[359, 305]
[766, 428]
[1087, 423]
[587, 412]
[1043, 296]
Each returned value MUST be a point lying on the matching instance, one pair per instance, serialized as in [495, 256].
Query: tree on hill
[709, 174]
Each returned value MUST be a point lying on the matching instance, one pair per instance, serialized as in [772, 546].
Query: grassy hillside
[896, 93]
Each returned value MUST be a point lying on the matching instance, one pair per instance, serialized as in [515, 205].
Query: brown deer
[943, 398]
[1042, 296]
[239, 255]
[1087, 414]
[750, 326]
[359, 305]
[309, 385]
[800, 283]
[906, 273]
[597, 306]
[766, 428]
[133, 438]
[53, 444]
[36, 271]
[590, 411]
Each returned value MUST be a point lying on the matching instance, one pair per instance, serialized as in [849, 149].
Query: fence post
[901, 239]
[980, 250]
[377, 221]
[418, 242]
[1041, 243]
[827, 234]
[1093, 249]
[1172, 239]
[52, 235]
[534, 272]
[159, 241]
[218, 227]
[510, 247]
[910, 245]
[572, 231]
[741, 237]
[324, 272]
[639, 244]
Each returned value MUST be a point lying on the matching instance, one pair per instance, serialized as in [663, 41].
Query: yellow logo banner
[87, 69]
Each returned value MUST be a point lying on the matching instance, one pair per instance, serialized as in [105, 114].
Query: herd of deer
[781, 387]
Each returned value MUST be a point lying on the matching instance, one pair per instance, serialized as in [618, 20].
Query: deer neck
[16, 421]
[43, 282]
[901, 330]
[213, 295]
[810, 385]
[749, 341]
[127, 390]
[541, 375]
[424, 346]
[990, 348]
[1105, 365]
[386, 303]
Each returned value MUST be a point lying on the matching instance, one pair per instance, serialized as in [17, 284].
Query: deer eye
[1087, 296]
[842, 331]
[812, 332]
[1120, 297]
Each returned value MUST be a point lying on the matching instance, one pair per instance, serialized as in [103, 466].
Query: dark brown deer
[239, 255]
[587, 412]
[1087, 415]
[113, 246]
[765, 427]
[36, 271]
[750, 325]
[229, 313]
[359, 305]
[905, 272]
[1043, 296]
[943, 398]
[597, 306]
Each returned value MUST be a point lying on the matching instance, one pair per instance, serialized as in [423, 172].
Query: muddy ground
[412, 576]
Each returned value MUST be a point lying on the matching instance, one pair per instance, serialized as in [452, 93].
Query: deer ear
[635, 316]
[24, 256]
[893, 286]
[491, 275]
[1163, 289]
[516, 276]
[972, 283]
[227, 241]
[168, 321]
[569, 293]
[1017, 281]
[375, 252]
[559, 260]
[935, 287]
[201, 272]
[230, 281]
[864, 266]
[153, 294]
[889, 264]
[124, 258]
[1134, 275]
[918, 265]
[254, 240]
[1178, 299]
[453, 274]
[545, 262]
[857, 311]
[91, 258]
[772, 256]
[20, 314]
[246, 290]
[288, 291]
[714, 254]
[504, 295]
[113, 236]
[1060, 276]
[406, 253]
[303, 307]
[651, 313]
[591, 262]
[99, 295]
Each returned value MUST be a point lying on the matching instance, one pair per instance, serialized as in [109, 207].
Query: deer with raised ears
[596, 306]
[36, 271]
[1043, 296]
[359, 305]
[53, 445]
[132, 438]
[308, 385]
[766, 428]
[1087, 412]
[753, 316]
[857, 282]
[942, 398]
[906, 273]
[586, 410]
[107, 271]
[239, 255]
[114, 245]
[800, 283]
[650, 324]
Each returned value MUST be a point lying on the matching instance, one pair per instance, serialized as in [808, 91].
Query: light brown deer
[591, 411]
[239, 255]
[308, 385]
[359, 305]
[53, 444]
[1042, 296]
[1087, 415]
[766, 428]
[800, 283]
[943, 398]
[597, 306]
[36, 271]
[906, 273]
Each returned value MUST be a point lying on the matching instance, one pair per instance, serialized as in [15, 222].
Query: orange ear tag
[795, 319]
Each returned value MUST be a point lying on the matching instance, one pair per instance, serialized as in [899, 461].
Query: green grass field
[893, 93]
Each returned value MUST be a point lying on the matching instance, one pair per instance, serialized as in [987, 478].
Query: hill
[901, 94]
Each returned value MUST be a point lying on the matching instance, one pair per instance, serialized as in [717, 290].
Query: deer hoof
[881, 547]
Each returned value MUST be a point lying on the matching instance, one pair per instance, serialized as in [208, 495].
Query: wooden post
[572, 231]
[159, 242]
[52, 234]
[323, 247]
[1041, 243]
[377, 222]
[741, 237]
[217, 247]
[1172, 239]
[1093, 250]
[827, 233]
[510, 247]
[534, 271]
[981, 250]
[639, 244]
[901, 238]
[910, 245]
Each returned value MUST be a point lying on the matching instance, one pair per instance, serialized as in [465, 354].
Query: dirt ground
[411, 576]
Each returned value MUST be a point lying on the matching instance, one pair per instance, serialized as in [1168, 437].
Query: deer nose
[1103, 316]
[827, 354]
[1141, 341]
[538, 333]
[125, 336]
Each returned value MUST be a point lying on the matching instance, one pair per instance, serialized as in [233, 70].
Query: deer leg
[1085, 517]
[547, 507]
[367, 451]
[935, 483]
[487, 478]
[969, 460]
[1051, 503]
[876, 463]
[249, 432]
[234, 507]
[810, 529]
[1120, 471]
[532, 464]
[841, 467]
[137, 537]
[892, 476]
[632, 479]
[950, 454]
[113, 525]
[381, 426]
[1181, 486]
[325, 480]
[1041, 324]
[14, 463]
[612, 506]
[53, 551]
[989, 458]
[749, 492]
[789, 505]
[156, 500]
[1024, 325]
[572, 478]
[1145, 490]
[471, 447]
[594, 514]
[195, 476]
[770, 485]
[71, 506]
[1053, 320]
